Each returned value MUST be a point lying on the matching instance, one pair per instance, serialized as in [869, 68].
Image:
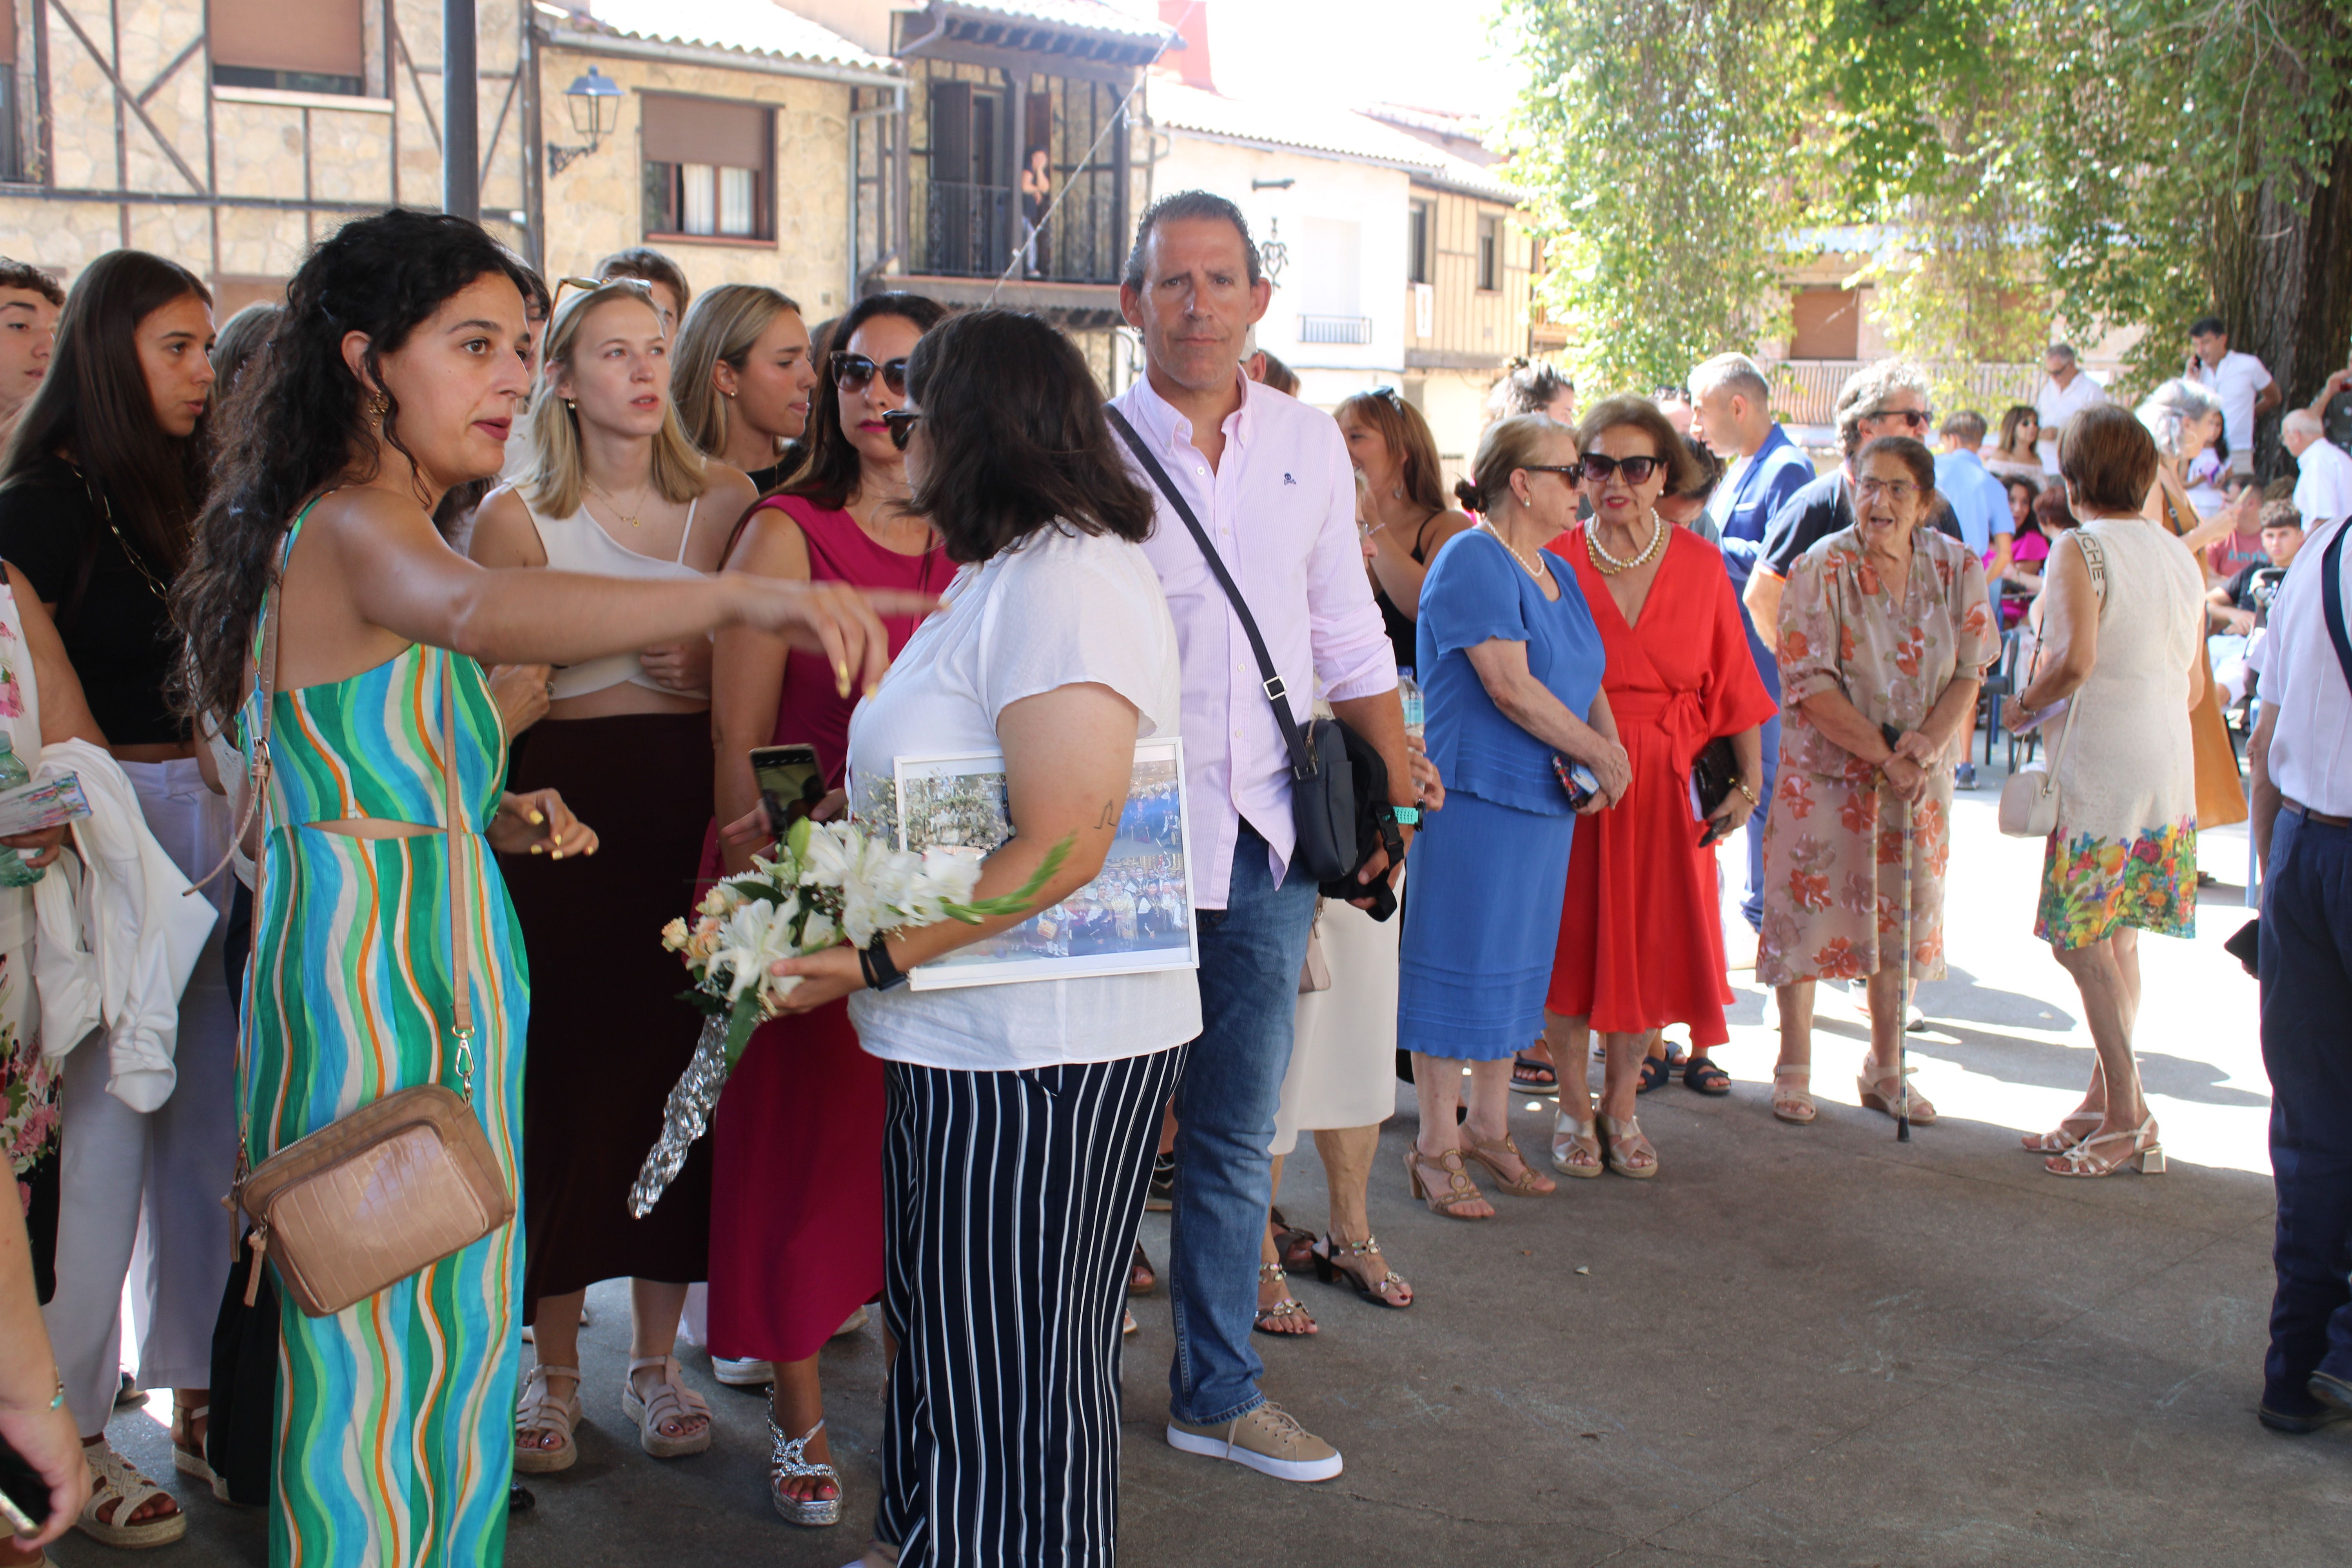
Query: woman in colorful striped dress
[394, 374]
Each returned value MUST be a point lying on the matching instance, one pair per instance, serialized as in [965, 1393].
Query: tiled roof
[1079, 16]
[1340, 133]
[747, 27]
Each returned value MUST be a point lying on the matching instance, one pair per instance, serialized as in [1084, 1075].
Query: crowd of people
[448, 608]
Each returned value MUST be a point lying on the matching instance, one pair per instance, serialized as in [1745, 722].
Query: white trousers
[139, 1195]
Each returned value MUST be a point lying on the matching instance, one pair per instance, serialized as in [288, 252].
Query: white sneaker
[1268, 1439]
[743, 1374]
[852, 1323]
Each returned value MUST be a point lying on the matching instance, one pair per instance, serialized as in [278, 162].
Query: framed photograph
[1136, 916]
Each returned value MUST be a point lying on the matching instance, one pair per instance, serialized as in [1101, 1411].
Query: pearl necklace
[1610, 563]
[1534, 572]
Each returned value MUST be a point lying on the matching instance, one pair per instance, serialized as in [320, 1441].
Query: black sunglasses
[1572, 472]
[1635, 469]
[900, 422]
[1917, 419]
[855, 373]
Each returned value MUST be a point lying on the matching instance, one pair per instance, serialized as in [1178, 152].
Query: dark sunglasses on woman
[855, 373]
[1635, 469]
[900, 424]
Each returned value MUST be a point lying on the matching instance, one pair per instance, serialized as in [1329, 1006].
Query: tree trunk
[2300, 325]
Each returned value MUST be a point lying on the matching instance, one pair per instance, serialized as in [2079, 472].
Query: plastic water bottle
[1409, 694]
[14, 872]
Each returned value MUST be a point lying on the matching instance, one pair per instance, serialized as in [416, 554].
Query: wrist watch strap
[875, 961]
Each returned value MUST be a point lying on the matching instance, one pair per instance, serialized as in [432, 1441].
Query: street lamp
[594, 101]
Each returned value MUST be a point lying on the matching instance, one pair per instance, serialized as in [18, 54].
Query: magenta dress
[796, 1144]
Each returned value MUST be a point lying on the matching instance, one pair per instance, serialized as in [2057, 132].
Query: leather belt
[2308, 814]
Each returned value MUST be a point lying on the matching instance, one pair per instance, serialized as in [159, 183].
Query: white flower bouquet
[828, 882]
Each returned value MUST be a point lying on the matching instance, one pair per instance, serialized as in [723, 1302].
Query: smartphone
[23, 1495]
[791, 783]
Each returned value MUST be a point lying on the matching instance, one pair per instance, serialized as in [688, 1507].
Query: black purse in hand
[1714, 774]
[1333, 818]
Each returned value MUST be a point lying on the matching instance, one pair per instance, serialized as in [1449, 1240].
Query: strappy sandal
[1459, 1188]
[1793, 1094]
[1655, 1071]
[115, 1479]
[1701, 1075]
[2063, 1136]
[1575, 1147]
[1332, 1271]
[672, 1401]
[539, 1409]
[789, 1462]
[1533, 1075]
[1529, 1184]
[1290, 1306]
[187, 1449]
[2141, 1151]
[1142, 1279]
[1884, 1094]
[1292, 1247]
[1622, 1140]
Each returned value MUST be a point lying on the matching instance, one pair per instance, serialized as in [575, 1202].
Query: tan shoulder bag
[401, 1183]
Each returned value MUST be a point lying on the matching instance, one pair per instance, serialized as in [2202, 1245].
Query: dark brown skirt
[608, 1035]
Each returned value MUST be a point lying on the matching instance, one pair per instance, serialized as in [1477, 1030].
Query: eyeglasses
[1572, 472]
[855, 373]
[1894, 489]
[900, 422]
[1635, 469]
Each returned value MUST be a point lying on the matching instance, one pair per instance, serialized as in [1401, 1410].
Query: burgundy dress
[796, 1169]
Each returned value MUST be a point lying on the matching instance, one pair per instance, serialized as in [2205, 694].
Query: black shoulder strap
[2331, 597]
[1302, 759]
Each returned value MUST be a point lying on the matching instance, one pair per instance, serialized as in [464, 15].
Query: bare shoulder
[504, 534]
[1445, 526]
[770, 544]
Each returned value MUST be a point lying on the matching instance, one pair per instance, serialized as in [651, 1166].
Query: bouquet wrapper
[686, 1115]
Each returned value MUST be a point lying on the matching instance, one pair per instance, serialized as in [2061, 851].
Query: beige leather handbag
[399, 1183]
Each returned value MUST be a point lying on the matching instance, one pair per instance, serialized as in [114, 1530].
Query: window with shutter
[315, 47]
[707, 168]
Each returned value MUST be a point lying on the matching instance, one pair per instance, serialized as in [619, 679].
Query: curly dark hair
[1017, 438]
[829, 476]
[304, 423]
[95, 406]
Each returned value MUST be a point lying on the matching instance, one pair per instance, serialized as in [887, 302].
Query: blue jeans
[1751, 899]
[1251, 952]
[2306, 972]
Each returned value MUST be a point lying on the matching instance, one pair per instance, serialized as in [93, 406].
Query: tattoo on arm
[1110, 813]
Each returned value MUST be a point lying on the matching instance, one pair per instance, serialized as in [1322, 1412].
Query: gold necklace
[1610, 563]
[614, 501]
[1534, 572]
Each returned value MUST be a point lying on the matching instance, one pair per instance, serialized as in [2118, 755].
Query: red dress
[1641, 931]
[796, 1167]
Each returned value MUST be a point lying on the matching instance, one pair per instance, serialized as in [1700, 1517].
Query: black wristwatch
[881, 974]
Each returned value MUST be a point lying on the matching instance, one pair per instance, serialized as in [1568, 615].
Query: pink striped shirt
[1281, 508]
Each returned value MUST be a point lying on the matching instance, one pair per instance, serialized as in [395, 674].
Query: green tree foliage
[1655, 145]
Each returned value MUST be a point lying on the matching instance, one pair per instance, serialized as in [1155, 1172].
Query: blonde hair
[1509, 445]
[722, 329]
[557, 477]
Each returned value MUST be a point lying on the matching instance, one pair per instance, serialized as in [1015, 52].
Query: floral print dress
[1833, 842]
[28, 1080]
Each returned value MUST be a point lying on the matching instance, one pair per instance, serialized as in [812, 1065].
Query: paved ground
[1797, 1346]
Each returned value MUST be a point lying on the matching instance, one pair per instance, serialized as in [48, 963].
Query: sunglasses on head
[636, 286]
[900, 424]
[1635, 469]
[855, 373]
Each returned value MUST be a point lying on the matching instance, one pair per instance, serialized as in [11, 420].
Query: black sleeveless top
[1403, 635]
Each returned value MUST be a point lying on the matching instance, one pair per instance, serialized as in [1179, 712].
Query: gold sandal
[1459, 1188]
[1626, 1136]
[1289, 1305]
[1528, 1184]
[1575, 1147]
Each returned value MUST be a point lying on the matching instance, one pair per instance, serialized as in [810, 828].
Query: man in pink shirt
[1268, 478]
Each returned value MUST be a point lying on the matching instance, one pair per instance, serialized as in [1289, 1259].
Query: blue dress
[1488, 870]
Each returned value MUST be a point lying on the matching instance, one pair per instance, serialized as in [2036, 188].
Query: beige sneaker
[1266, 1439]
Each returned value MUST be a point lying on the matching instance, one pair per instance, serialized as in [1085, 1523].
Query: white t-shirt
[1064, 609]
[2311, 749]
[2054, 404]
[2323, 492]
[2235, 381]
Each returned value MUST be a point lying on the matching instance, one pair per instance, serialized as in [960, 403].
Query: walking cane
[1903, 996]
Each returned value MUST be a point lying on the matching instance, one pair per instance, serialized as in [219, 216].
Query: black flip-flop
[1654, 1073]
[1702, 1075]
[1533, 1075]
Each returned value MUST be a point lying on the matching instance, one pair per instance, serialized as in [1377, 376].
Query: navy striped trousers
[1011, 1201]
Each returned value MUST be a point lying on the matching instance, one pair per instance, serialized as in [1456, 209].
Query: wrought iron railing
[1335, 329]
[966, 229]
[978, 231]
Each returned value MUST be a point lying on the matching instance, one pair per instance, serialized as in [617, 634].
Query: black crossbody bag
[1335, 820]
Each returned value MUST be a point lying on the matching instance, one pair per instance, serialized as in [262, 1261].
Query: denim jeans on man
[2306, 975]
[1251, 952]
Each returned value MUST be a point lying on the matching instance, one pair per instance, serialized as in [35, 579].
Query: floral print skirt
[2091, 885]
[28, 1115]
[1834, 878]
